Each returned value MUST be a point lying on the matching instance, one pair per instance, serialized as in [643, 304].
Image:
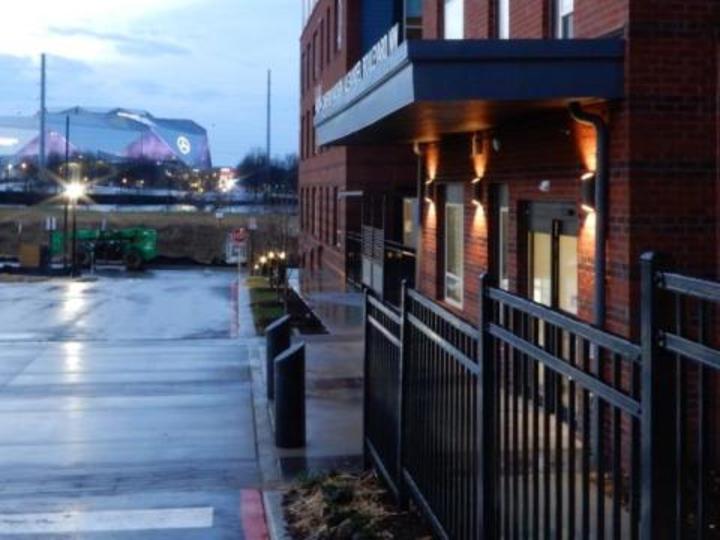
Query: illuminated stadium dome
[115, 135]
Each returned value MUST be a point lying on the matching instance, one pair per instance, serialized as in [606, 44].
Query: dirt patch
[348, 507]
[16, 278]
[195, 237]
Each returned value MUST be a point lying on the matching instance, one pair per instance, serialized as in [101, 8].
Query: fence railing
[383, 347]
[684, 490]
[535, 424]
[440, 423]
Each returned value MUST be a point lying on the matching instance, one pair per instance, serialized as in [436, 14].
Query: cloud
[199, 59]
[124, 44]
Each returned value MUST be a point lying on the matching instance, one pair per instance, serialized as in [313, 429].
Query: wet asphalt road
[125, 408]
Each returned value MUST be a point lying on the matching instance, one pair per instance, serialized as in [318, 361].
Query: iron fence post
[367, 461]
[657, 438]
[485, 418]
[404, 350]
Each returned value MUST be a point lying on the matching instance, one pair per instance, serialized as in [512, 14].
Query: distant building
[112, 134]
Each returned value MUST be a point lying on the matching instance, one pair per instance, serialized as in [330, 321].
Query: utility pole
[43, 109]
[67, 181]
[269, 126]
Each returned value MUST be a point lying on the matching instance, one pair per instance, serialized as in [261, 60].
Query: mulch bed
[342, 506]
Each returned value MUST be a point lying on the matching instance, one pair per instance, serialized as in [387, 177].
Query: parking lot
[125, 407]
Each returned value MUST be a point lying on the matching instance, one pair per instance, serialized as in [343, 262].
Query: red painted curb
[252, 515]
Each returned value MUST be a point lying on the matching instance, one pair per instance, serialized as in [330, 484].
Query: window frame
[456, 204]
[338, 24]
[561, 10]
[502, 248]
[502, 23]
[410, 204]
[460, 7]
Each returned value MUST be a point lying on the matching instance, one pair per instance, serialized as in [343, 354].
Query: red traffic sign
[239, 235]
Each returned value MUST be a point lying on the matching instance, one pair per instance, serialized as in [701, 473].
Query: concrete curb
[274, 515]
[268, 458]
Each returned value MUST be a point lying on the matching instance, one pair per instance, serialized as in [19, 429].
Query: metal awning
[428, 88]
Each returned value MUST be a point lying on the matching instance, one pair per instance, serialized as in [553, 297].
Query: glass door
[553, 259]
[552, 269]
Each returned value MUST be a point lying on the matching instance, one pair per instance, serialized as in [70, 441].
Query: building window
[328, 36]
[311, 129]
[338, 24]
[313, 213]
[326, 215]
[454, 242]
[302, 71]
[409, 222]
[564, 24]
[334, 225]
[322, 46]
[503, 236]
[304, 209]
[454, 19]
[316, 58]
[302, 137]
[413, 19]
[503, 19]
[307, 67]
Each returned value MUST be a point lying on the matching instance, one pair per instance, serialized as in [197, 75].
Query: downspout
[602, 177]
[420, 182]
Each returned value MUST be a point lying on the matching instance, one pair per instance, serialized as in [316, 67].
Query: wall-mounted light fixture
[587, 191]
[477, 194]
[430, 191]
[496, 144]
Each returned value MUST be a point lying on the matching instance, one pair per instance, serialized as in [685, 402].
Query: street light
[73, 192]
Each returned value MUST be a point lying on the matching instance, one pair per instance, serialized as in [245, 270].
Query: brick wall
[595, 19]
[529, 19]
[479, 19]
[672, 108]
[541, 147]
[432, 19]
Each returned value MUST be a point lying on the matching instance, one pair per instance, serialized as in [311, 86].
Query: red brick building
[335, 181]
[550, 142]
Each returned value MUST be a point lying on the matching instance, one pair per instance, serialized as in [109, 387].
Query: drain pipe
[602, 177]
[420, 184]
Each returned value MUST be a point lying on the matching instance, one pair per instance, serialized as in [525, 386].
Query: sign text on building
[375, 57]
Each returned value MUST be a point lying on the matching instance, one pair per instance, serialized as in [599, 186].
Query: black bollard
[277, 337]
[290, 398]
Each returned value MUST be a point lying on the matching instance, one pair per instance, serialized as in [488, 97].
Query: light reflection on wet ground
[125, 399]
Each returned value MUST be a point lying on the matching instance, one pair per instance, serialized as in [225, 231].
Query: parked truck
[134, 246]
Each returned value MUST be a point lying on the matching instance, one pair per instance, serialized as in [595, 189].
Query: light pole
[73, 192]
[67, 183]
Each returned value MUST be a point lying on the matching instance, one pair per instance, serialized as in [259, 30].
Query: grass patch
[264, 303]
[348, 506]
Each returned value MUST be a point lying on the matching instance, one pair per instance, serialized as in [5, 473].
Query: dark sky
[206, 60]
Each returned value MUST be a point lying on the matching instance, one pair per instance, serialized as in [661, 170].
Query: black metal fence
[440, 421]
[535, 424]
[684, 454]
[383, 346]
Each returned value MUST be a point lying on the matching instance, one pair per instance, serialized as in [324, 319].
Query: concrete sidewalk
[333, 403]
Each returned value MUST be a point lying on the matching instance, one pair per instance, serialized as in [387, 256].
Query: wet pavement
[126, 408]
[334, 382]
